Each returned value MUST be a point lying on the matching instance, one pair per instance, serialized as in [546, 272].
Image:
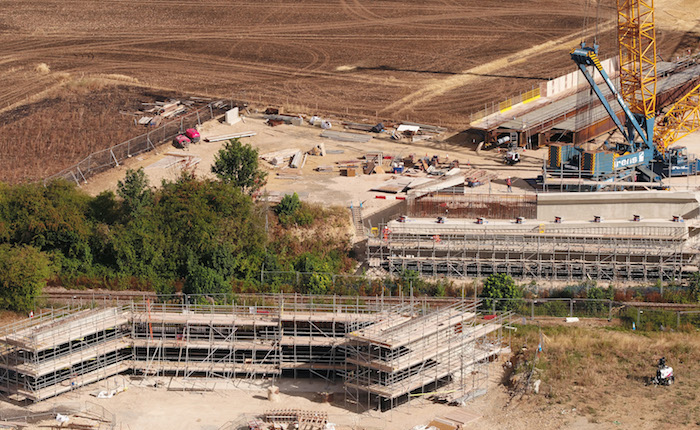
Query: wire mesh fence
[112, 157]
[358, 294]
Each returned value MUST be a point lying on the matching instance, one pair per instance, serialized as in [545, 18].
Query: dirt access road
[431, 61]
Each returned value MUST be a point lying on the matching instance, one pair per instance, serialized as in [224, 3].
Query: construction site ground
[144, 406]
[330, 188]
[595, 389]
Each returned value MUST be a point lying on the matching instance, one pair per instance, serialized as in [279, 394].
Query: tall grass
[45, 137]
[592, 368]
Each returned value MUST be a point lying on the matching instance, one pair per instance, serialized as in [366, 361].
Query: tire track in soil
[436, 89]
[103, 54]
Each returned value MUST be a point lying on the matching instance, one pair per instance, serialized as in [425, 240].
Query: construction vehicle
[647, 150]
[664, 374]
[193, 135]
[181, 141]
[512, 157]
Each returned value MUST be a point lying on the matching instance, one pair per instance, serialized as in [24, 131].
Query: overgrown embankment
[602, 374]
[190, 235]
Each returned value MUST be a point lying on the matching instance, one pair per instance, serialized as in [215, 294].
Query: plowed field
[427, 60]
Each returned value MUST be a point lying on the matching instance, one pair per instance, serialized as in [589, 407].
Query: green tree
[290, 203]
[135, 191]
[23, 274]
[204, 280]
[501, 286]
[237, 165]
[410, 279]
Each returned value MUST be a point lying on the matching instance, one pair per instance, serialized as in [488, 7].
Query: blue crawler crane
[640, 155]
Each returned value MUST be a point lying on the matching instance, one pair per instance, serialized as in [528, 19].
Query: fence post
[610, 310]
[678, 319]
[532, 309]
[114, 157]
[571, 307]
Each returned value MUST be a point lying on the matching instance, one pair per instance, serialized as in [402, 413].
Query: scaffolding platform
[64, 349]
[611, 251]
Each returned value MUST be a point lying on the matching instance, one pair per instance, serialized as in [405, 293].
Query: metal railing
[505, 105]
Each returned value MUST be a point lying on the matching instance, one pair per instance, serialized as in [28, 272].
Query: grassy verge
[602, 372]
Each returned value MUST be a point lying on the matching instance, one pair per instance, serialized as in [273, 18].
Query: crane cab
[677, 155]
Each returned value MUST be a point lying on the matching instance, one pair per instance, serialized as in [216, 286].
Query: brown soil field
[81, 117]
[428, 60]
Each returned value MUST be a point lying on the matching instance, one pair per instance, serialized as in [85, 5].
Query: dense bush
[501, 286]
[198, 236]
[23, 273]
[291, 211]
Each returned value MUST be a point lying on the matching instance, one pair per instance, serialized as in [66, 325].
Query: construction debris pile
[176, 160]
[163, 110]
[291, 419]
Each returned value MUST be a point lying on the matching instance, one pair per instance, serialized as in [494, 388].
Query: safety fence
[104, 419]
[367, 294]
[635, 315]
[112, 157]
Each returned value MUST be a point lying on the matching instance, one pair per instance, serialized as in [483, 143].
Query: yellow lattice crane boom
[682, 119]
[636, 33]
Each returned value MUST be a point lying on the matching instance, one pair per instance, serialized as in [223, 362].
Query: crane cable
[597, 19]
[585, 20]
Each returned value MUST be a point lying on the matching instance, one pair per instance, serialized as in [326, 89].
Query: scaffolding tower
[635, 252]
[387, 351]
[408, 356]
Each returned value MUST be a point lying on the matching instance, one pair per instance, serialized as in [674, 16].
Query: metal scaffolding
[404, 357]
[532, 253]
[64, 349]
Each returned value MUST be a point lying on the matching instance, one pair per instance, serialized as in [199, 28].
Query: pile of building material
[297, 419]
[284, 119]
[455, 420]
[416, 132]
[230, 136]
[162, 110]
[319, 149]
[298, 160]
[477, 177]
[281, 158]
[177, 160]
[346, 137]
[378, 128]
[172, 109]
[319, 122]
